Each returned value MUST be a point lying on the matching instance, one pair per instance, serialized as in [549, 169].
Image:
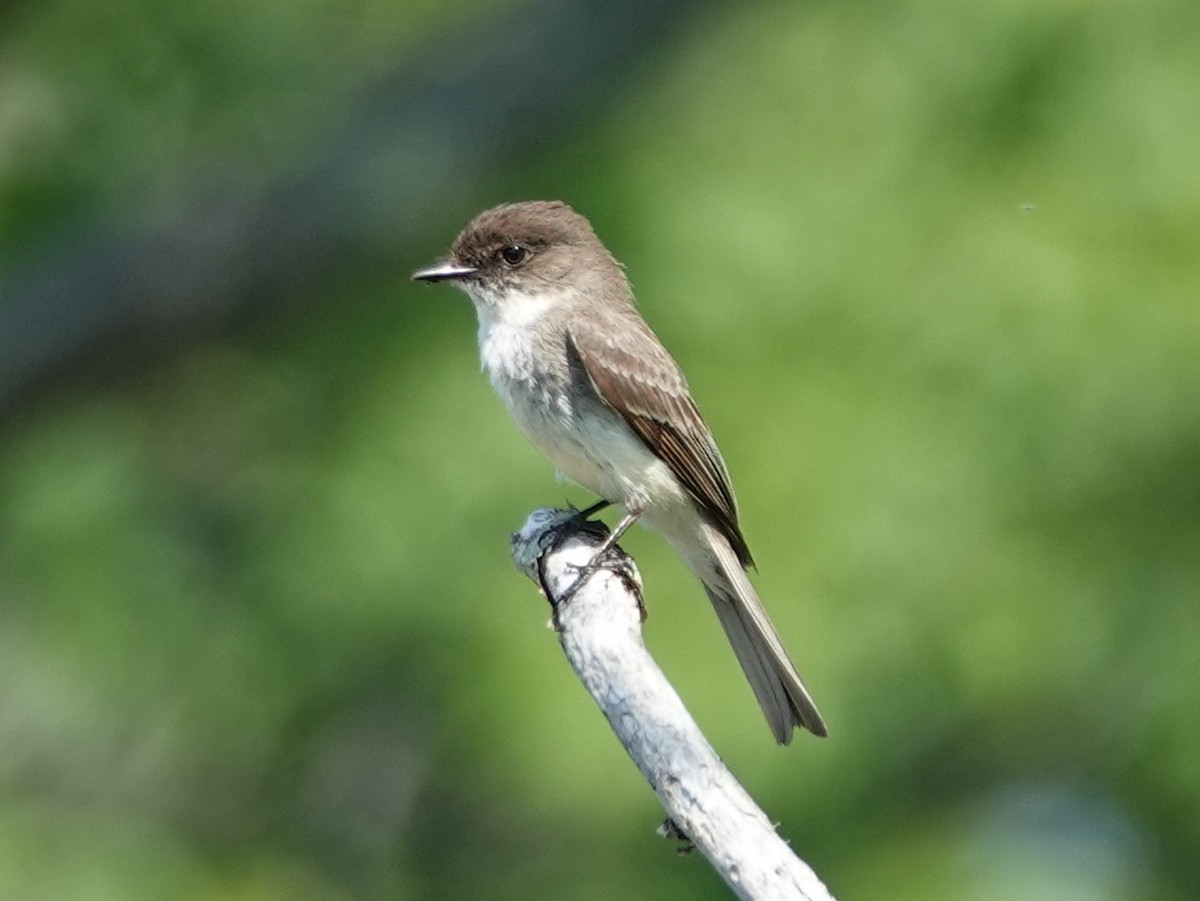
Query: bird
[592, 388]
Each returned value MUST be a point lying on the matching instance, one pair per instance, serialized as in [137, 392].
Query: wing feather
[640, 381]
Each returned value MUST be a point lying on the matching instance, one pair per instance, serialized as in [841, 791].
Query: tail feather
[778, 687]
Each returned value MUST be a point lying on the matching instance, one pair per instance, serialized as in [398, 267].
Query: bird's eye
[514, 254]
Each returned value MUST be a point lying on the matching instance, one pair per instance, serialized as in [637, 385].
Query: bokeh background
[933, 270]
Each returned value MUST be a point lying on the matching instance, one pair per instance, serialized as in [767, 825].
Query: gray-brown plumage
[594, 389]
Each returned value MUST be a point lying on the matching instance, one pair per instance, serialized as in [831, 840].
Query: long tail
[777, 686]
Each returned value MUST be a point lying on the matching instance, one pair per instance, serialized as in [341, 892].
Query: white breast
[586, 441]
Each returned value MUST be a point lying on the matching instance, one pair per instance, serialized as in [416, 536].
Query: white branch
[599, 628]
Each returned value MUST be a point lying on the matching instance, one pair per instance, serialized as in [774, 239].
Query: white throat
[507, 329]
[510, 310]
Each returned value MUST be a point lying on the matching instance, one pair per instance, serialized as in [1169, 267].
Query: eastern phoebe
[591, 386]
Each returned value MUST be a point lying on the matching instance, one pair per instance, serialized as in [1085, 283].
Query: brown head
[531, 246]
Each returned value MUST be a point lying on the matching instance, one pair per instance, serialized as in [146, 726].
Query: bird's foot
[584, 572]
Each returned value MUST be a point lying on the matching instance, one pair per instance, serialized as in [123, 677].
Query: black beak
[442, 271]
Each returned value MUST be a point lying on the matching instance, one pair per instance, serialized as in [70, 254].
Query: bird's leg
[589, 569]
[615, 535]
[588, 512]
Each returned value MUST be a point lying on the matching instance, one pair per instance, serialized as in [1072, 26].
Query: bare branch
[599, 628]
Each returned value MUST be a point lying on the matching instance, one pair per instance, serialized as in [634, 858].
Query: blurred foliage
[932, 269]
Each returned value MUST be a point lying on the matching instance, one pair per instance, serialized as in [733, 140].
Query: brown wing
[640, 381]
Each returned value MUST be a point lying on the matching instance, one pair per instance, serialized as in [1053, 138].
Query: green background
[933, 269]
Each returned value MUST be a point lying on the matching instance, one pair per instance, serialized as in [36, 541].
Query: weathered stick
[599, 628]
